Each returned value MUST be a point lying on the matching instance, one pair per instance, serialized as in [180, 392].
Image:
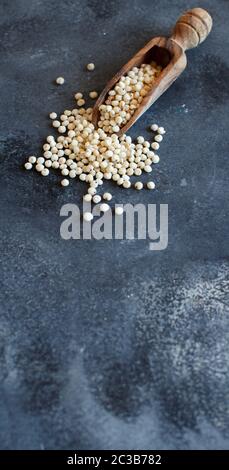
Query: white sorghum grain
[45, 172]
[119, 210]
[93, 94]
[90, 66]
[28, 166]
[62, 129]
[147, 168]
[78, 96]
[47, 154]
[80, 102]
[107, 196]
[155, 159]
[50, 139]
[46, 147]
[60, 80]
[56, 123]
[96, 198]
[73, 165]
[158, 138]
[155, 146]
[104, 207]
[71, 134]
[65, 172]
[138, 185]
[91, 190]
[161, 130]
[87, 197]
[126, 184]
[72, 174]
[32, 159]
[154, 127]
[88, 216]
[150, 185]
[39, 167]
[40, 160]
[64, 182]
[53, 115]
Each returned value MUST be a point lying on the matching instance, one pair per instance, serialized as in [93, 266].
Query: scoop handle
[192, 28]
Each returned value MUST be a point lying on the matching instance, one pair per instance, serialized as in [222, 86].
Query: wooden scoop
[191, 29]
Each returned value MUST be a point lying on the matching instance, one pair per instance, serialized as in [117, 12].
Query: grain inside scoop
[191, 29]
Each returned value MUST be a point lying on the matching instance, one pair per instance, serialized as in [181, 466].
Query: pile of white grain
[92, 154]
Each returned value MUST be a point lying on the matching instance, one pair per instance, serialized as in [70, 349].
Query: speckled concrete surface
[104, 344]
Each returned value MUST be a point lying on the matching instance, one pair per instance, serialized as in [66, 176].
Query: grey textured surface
[105, 344]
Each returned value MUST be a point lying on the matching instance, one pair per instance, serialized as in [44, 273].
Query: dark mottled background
[106, 344]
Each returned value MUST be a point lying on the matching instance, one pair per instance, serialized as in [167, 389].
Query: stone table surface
[106, 344]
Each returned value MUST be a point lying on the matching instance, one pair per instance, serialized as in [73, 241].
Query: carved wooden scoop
[191, 29]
